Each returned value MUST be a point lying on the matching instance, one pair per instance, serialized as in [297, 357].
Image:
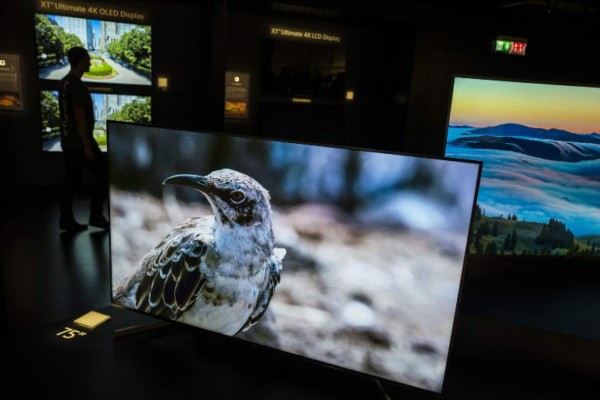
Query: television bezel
[283, 354]
[488, 266]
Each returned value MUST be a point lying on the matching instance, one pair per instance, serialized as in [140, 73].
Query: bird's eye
[237, 196]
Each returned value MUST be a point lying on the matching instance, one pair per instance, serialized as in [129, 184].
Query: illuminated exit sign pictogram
[508, 45]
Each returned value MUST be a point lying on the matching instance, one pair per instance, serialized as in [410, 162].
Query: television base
[153, 328]
[381, 389]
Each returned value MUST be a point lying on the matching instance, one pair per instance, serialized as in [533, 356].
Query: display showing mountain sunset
[540, 145]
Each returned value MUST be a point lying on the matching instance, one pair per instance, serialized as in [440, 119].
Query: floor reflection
[49, 275]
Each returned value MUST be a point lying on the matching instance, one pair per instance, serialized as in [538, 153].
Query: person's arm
[82, 126]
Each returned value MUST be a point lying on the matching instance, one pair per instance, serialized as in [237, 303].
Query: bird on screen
[216, 272]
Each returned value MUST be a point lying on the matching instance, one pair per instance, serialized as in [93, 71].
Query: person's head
[79, 59]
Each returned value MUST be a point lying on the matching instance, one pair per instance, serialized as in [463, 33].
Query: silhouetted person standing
[78, 144]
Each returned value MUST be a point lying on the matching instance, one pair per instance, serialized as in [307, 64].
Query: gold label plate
[91, 320]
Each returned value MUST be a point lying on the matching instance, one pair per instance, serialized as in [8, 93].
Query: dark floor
[49, 277]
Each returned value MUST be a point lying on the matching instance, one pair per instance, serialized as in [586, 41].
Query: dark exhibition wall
[559, 49]
[553, 298]
[376, 56]
[399, 64]
[181, 40]
[194, 44]
[397, 61]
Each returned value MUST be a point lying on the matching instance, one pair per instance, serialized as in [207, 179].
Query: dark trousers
[75, 162]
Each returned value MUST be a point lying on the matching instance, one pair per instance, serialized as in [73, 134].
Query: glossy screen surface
[121, 53]
[540, 147]
[375, 242]
[118, 107]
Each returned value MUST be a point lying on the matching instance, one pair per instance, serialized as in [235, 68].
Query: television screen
[121, 53]
[303, 69]
[348, 257]
[540, 147]
[117, 107]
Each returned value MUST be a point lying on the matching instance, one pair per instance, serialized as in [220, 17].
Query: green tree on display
[555, 234]
[491, 248]
[479, 247]
[68, 39]
[495, 229]
[134, 48]
[507, 243]
[137, 111]
[50, 115]
[52, 40]
[484, 227]
[47, 40]
[478, 213]
[513, 239]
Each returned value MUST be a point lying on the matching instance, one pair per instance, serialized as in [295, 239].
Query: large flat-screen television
[118, 107]
[121, 53]
[300, 69]
[540, 147]
[349, 257]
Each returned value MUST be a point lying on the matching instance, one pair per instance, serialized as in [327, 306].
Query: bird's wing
[173, 276]
[272, 280]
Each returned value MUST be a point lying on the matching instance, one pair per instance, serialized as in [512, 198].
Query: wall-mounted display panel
[121, 52]
[540, 147]
[116, 107]
[294, 68]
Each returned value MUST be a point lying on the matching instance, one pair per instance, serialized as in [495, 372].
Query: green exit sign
[510, 45]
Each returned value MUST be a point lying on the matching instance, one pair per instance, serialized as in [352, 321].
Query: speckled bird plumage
[217, 272]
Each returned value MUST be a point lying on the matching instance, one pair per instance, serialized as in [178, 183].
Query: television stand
[147, 328]
[384, 394]
[141, 325]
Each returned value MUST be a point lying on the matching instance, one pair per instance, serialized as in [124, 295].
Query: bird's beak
[196, 181]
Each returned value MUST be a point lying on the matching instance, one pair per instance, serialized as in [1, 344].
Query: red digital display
[508, 45]
[518, 48]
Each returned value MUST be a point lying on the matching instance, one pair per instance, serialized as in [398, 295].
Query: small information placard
[237, 88]
[91, 320]
[11, 96]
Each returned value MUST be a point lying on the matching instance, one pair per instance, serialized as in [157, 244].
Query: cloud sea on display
[536, 189]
